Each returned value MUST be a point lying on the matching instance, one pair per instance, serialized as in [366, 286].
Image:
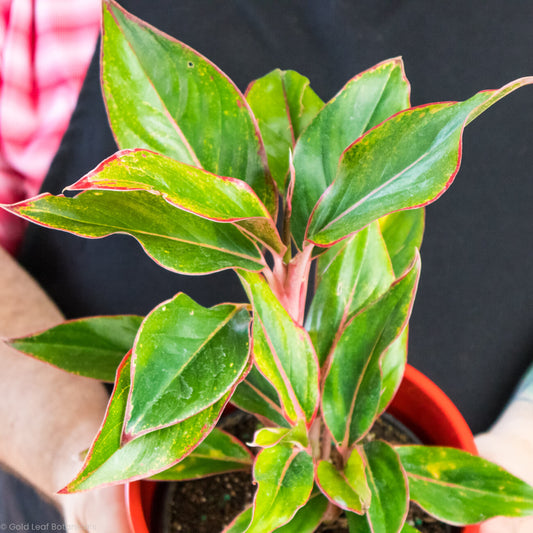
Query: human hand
[507, 525]
[96, 511]
[510, 444]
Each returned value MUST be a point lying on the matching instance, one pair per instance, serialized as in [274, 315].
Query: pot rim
[415, 384]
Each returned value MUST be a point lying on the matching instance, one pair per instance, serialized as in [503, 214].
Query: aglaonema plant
[204, 177]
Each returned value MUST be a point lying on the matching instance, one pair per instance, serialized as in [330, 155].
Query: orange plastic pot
[419, 404]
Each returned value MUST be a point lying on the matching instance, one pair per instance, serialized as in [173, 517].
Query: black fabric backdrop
[471, 329]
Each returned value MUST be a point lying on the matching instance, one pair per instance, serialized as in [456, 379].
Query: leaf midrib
[118, 229]
[165, 109]
[160, 392]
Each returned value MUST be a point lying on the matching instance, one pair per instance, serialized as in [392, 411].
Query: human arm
[48, 416]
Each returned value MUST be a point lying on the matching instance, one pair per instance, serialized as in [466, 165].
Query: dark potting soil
[207, 505]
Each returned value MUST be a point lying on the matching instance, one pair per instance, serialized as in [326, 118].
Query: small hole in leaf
[190, 64]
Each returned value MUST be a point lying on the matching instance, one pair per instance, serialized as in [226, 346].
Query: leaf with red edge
[390, 495]
[284, 104]
[110, 461]
[283, 351]
[284, 476]
[221, 199]
[177, 240]
[306, 519]
[407, 161]
[156, 87]
[403, 232]
[366, 100]
[460, 488]
[218, 453]
[91, 347]
[347, 489]
[185, 358]
[350, 275]
[393, 363]
[353, 383]
[254, 394]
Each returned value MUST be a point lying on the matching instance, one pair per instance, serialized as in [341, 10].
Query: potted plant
[204, 178]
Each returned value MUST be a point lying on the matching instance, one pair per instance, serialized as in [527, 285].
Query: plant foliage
[202, 175]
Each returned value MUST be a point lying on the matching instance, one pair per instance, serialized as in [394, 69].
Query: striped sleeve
[45, 50]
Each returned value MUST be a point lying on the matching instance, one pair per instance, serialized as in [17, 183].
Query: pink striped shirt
[45, 49]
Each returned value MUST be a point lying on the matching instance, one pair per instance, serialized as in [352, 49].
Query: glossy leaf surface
[270, 436]
[91, 347]
[460, 488]
[388, 485]
[156, 88]
[257, 396]
[403, 232]
[348, 489]
[185, 358]
[177, 240]
[285, 479]
[349, 276]
[393, 363]
[219, 452]
[353, 383]
[192, 189]
[109, 461]
[308, 517]
[364, 101]
[283, 351]
[267, 437]
[284, 104]
[373, 179]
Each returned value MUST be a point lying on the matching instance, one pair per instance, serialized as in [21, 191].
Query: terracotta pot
[419, 404]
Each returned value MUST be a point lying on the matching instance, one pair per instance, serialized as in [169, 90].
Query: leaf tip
[65, 490]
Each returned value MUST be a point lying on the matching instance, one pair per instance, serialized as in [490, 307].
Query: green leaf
[241, 522]
[185, 358]
[155, 89]
[285, 479]
[352, 387]
[347, 489]
[110, 461]
[460, 488]
[220, 452]
[308, 517]
[364, 101]
[388, 485]
[409, 529]
[270, 436]
[257, 396]
[284, 105]
[186, 187]
[350, 275]
[403, 232]
[91, 347]
[358, 523]
[177, 240]
[408, 161]
[283, 351]
[393, 363]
